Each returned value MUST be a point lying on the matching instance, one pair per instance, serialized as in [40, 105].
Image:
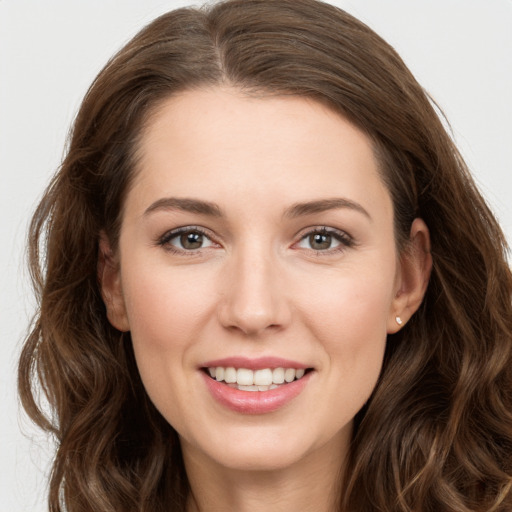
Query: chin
[268, 458]
[260, 448]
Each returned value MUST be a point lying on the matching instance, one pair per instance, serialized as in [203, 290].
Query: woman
[269, 281]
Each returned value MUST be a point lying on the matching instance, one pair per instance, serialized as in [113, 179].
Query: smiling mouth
[264, 379]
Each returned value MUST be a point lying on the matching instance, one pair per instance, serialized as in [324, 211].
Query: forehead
[205, 142]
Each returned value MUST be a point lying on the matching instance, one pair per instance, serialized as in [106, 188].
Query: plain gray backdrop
[460, 51]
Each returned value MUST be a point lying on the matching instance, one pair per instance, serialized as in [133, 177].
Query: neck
[312, 484]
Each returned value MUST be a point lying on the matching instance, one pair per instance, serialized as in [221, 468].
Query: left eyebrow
[323, 205]
[185, 205]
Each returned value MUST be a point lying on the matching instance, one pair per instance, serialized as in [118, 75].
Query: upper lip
[258, 363]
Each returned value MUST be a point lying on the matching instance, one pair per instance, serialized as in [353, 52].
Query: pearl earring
[399, 321]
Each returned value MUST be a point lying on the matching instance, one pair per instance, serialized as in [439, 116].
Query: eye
[319, 241]
[191, 240]
[185, 240]
[325, 239]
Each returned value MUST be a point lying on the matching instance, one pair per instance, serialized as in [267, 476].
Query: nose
[254, 296]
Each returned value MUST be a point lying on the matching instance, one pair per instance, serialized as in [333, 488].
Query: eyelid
[164, 240]
[345, 239]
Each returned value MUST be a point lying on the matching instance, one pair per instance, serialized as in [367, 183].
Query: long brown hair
[436, 434]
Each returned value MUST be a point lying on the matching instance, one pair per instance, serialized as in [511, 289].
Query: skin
[259, 286]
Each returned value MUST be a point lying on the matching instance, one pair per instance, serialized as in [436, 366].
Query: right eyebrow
[323, 205]
[186, 205]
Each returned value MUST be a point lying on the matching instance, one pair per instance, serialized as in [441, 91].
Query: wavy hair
[437, 431]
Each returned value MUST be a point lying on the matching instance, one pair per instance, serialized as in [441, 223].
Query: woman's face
[257, 235]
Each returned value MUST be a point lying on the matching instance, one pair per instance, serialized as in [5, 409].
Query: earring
[399, 321]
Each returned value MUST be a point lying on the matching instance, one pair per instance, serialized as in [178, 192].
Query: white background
[460, 50]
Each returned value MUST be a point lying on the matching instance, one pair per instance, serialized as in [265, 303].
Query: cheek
[354, 301]
[349, 320]
[163, 306]
[165, 315]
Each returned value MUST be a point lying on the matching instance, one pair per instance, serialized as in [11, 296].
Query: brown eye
[325, 239]
[320, 241]
[185, 240]
[191, 240]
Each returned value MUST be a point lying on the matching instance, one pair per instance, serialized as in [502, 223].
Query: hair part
[437, 432]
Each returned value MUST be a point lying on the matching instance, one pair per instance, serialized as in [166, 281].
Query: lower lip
[255, 402]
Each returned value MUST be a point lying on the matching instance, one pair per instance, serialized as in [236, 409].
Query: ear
[109, 278]
[412, 277]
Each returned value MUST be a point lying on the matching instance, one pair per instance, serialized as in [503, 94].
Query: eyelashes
[186, 240]
[325, 239]
[192, 240]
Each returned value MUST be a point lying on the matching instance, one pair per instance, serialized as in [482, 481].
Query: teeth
[248, 388]
[230, 375]
[258, 380]
[263, 377]
[278, 375]
[290, 374]
[244, 377]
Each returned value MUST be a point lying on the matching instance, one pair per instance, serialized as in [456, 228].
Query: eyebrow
[213, 210]
[323, 205]
[186, 205]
